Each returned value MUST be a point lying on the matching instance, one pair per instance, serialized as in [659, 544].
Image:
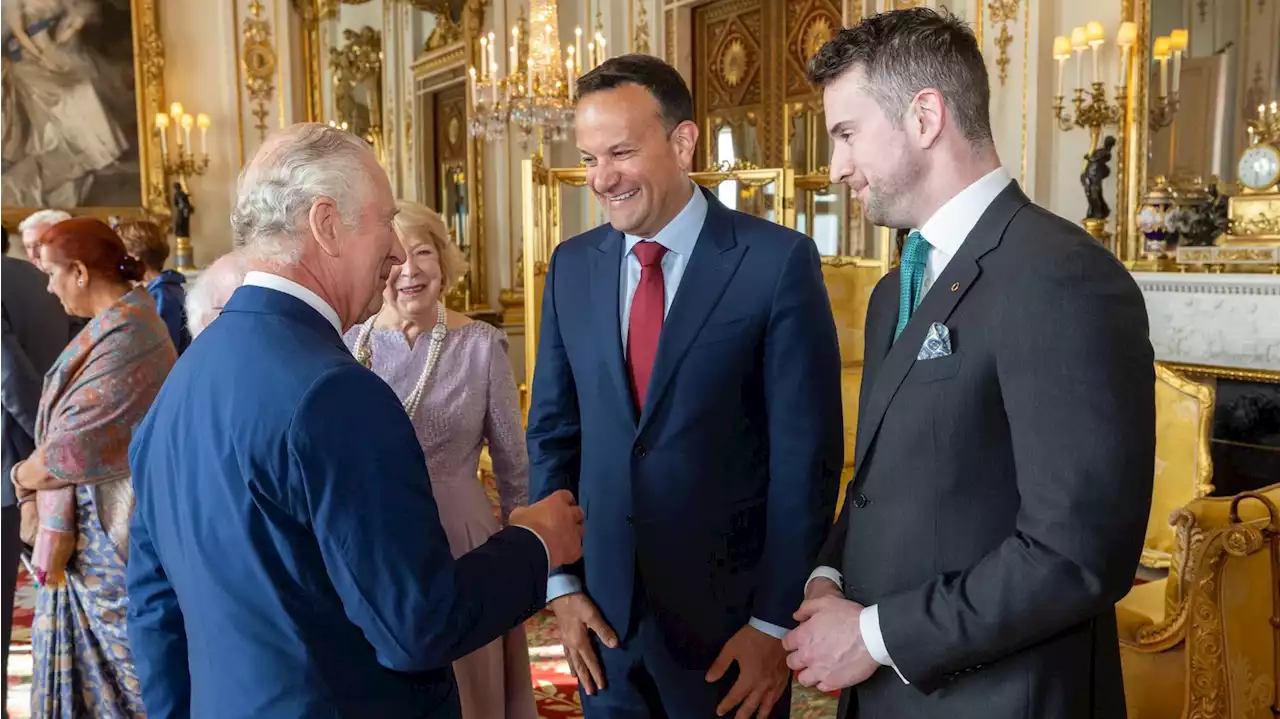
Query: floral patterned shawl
[98, 390]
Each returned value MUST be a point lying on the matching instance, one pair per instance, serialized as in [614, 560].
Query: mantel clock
[1255, 211]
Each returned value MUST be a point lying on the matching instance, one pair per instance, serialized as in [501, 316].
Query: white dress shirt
[945, 231]
[255, 278]
[679, 237]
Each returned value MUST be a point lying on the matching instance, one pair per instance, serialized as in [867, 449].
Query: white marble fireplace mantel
[1223, 320]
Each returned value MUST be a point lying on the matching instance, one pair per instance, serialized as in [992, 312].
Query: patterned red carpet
[555, 689]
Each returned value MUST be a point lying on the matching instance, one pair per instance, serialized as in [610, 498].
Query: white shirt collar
[953, 222]
[257, 278]
[681, 233]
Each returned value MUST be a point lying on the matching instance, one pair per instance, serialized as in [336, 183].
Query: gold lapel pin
[955, 286]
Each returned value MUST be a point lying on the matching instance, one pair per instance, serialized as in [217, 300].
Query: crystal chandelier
[537, 93]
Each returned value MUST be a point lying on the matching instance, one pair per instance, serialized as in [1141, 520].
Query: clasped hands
[827, 649]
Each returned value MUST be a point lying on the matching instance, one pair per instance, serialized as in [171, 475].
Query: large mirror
[1212, 65]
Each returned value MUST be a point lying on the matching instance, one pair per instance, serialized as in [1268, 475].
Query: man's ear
[685, 139]
[325, 220]
[926, 117]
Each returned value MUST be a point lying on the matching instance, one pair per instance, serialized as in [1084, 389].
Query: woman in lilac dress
[453, 377]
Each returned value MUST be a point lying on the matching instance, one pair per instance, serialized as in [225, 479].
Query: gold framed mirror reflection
[1192, 116]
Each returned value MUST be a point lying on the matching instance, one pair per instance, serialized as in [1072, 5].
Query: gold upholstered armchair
[849, 282]
[1184, 467]
[1206, 641]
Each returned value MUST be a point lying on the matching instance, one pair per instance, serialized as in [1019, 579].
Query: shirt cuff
[544, 548]
[869, 625]
[826, 573]
[558, 585]
[772, 630]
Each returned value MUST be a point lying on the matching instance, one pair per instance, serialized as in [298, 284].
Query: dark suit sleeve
[157, 634]
[1074, 366]
[806, 437]
[21, 382]
[554, 435]
[369, 499]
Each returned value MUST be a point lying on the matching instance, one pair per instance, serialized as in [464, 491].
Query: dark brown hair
[664, 82]
[91, 242]
[905, 51]
[146, 241]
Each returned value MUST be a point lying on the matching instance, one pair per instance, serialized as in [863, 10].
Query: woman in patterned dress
[453, 376]
[75, 490]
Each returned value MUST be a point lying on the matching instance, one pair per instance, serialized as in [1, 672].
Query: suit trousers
[645, 680]
[12, 550]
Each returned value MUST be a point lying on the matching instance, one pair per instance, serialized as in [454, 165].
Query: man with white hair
[34, 226]
[286, 556]
[211, 290]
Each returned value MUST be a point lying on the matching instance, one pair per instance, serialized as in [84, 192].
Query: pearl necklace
[364, 355]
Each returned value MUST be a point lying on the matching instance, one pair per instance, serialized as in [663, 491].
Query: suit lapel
[715, 257]
[606, 292]
[943, 297]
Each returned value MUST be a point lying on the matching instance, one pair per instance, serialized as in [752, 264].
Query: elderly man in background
[285, 528]
[36, 329]
[34, 226]
[212, 288]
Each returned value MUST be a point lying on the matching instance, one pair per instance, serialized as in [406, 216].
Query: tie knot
[916, 249]
[649, 253]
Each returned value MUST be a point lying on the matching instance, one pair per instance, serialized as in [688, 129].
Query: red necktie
[648, 305]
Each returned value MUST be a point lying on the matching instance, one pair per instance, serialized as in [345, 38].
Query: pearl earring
[80, 283]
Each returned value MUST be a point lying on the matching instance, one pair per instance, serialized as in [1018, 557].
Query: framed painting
[81, 81]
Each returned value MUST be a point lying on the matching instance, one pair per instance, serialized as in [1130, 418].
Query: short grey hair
[43, 218]
[212, 288]
[276, 190]
[905, 51]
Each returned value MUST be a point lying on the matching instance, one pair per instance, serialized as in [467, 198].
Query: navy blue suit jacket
[714, 497]
[287, 558]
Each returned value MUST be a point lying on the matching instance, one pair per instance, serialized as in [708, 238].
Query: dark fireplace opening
[1246, 436]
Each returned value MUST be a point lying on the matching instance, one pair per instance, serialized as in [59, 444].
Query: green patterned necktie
[915, 252]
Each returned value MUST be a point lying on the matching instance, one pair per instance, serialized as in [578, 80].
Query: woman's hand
[31, 475]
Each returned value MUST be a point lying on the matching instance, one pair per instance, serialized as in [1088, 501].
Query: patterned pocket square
[937, 343]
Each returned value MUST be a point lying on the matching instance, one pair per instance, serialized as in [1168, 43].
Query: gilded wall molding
[258, 63]
[640, 36]
[1003, 12]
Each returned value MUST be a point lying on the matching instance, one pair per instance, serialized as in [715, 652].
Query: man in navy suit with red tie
[687, 390]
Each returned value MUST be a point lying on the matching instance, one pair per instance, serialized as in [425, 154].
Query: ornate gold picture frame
[140, 144]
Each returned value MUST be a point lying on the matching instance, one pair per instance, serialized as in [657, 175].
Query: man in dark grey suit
[36, 329]
[1006, 438]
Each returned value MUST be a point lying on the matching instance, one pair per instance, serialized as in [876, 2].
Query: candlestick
[1095, 37]
[175, 111]
[577, 42]
[1164, 77]
[591, 56]
[515, 51]
[203, 122]
[568, 73]
[162, 126]
[484, 55]
[600, 49]
[187, 122]
[1160, 51]
[475, 99]
[493, 83]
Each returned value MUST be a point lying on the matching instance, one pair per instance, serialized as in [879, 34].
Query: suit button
[630, 520]
[860, 501]
[639, 451]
